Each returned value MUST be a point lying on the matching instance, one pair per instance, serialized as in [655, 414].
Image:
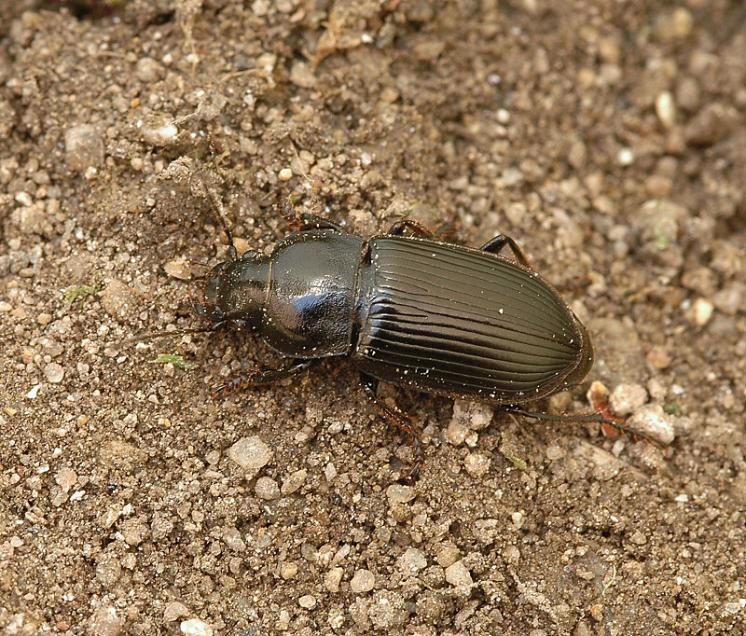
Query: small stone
[652, 420]
[84, 148]
[330, 472]
[307, 602]
[625, 157]
[362, 581]
[108, 569]
[412, 561]
[447, 554]
[105, 622]
[54, 373]
[285, 174]
[665, 108]
[674, 25]
[302, 75]
[66, 479]
[251, 454]
[700, 312]
[178, 268]
[266, 488]
[638, 538]
[333, 579]
[512, 555]
[387, 610]
[399, 494]
[294, 482]
[148, 70]
[477, 465]
[174, 611]
[458, 575]
[456, 433]
[711, 124]
[195, 627]
[473, 415]
[627, 398]
[658, 357]
[119, 300]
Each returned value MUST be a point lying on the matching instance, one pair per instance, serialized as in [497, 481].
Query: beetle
[406, 309]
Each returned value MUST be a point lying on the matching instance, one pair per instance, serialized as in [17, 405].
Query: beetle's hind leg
[495, 245]
[256, 377]
[396, 418]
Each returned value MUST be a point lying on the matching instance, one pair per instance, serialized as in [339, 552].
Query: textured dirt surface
[609, 138]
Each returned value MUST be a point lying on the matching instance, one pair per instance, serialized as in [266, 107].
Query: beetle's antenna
[597, 418]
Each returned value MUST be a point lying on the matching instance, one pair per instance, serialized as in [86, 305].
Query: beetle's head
[236, 291]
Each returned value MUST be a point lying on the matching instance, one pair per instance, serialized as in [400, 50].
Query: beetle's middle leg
[256, 377]
[396, 418]
[495, 245]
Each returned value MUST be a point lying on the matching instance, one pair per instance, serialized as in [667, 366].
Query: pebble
[302, 75]
[477, 465]
[174, 611]
[472, 415]
[512, 555]
[674, 25]
[458, 575]
[456, 433]
[250, 453]
[162, 132]
[412, 561]
[333, 579]
[84, 148]
[148, 70]
[307, 602]
[195, 627]
[665, 108]
[118, 299]
[388, 610]
[54, 373]
[362, 581]
[447, 554]
[105, 622]
[178, 268]
[399, 494]
[711, 124]
[266, 488]
[658, 357]
[294, 482]
[700, 312]
[65, 479]
[652, 420]
[627, 398]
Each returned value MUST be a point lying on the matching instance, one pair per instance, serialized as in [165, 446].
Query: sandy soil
[607, 137]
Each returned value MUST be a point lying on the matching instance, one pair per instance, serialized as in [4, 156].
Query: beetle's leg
[255, 377]
[199, 185]
[414, 227]
[493, 246]
[585, 419]
[396, 418]
[305, 221]
[313, 222]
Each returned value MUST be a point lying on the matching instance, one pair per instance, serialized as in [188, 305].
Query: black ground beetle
[405, 309]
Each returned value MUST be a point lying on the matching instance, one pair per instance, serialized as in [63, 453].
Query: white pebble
[195, 627]
[362, 581]
[307, 602]
[54, 372]
[458, 575]
[666, 109]
[652, 420]
[250, 453]
[398, 494]
[627, 398]
[412, 561]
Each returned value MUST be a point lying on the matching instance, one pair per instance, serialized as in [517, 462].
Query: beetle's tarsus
[496, 244]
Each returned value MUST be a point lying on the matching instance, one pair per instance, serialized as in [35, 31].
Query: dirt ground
[608, 138]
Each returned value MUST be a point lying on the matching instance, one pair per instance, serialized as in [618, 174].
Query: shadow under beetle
[405, 309]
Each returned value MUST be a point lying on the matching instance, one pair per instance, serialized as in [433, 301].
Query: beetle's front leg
[396, 418]
[494, 245]
[256, 377]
